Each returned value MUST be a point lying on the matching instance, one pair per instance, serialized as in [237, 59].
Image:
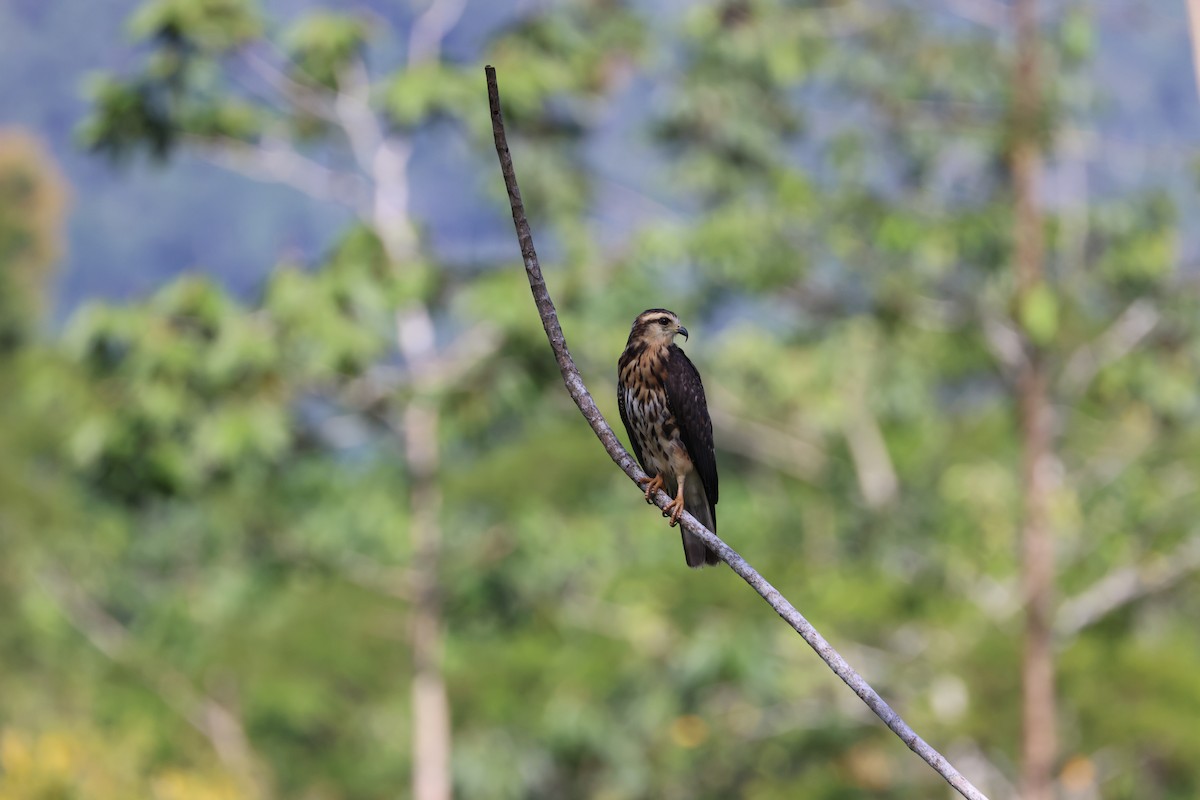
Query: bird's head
[656, 327]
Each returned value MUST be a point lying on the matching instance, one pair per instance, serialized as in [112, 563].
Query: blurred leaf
[1039, 314]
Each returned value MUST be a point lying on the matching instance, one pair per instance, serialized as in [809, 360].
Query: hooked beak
[682, 331]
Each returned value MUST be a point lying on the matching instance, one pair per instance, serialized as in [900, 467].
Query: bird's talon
[652, 486]
[674, 510]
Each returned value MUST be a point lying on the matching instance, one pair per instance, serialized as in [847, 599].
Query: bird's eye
[664, 321]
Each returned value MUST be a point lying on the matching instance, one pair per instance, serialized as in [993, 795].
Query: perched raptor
[665, 414]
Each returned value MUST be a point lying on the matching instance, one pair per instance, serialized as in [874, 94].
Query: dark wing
[685, 395]
[633, 442]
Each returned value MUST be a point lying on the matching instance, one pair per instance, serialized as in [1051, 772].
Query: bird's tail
[696, 502]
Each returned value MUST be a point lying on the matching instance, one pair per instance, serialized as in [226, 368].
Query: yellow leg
[652, 485]
[674, 509]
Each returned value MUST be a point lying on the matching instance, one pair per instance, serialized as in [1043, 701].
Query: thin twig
[310, 98]
[431, 29]
[579, 393]
[782, 450]
[1127, 585]
[217, 723]
[453, 363]
[1005, 344]
[1133, 325]
[877, 481]
[278, 161]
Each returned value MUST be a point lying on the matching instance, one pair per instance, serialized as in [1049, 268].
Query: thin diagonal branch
[877, 481]
[431, 28]
[781, 450]
[1121, 338]
[1127, 585]
[1005, 344]
[212, 719]
[307, 98]
[278, 161]
[583, 399]
[451, 365]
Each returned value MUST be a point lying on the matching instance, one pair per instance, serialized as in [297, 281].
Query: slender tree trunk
[1036, 421]
[415, 337]
[1037, 555]
[388, 161]
[431, 710]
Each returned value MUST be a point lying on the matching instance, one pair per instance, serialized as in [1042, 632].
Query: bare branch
[217, 723]
[353, 113]
[873, 466]
[1127, 331]
[587, 406]
[367, 573]
[975, 761]
[452, 364]
[385, 159]
[275, 161]
[1127, 585]
[309, 98]
[779, 449]
[430, 29]
[1006, 346]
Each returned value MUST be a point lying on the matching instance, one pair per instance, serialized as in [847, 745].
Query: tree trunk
[431, 709]
[1037, 557]
[1036, 421]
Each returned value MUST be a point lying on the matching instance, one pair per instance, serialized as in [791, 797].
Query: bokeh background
[293, 503]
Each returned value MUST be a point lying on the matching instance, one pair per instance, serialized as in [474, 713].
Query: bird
[661, 399]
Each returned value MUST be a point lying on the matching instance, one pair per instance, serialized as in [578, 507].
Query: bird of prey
[662, 405]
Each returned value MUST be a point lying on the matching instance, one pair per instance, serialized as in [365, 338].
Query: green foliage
[571, 56]
[428, 90]
[1137, 245]
[1039, 315]
[127, 114]
[32, 202]
[210, 26]
[321, 45]
[194, 392]
[177, 92]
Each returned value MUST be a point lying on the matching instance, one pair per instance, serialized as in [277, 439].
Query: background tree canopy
[293, 503]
